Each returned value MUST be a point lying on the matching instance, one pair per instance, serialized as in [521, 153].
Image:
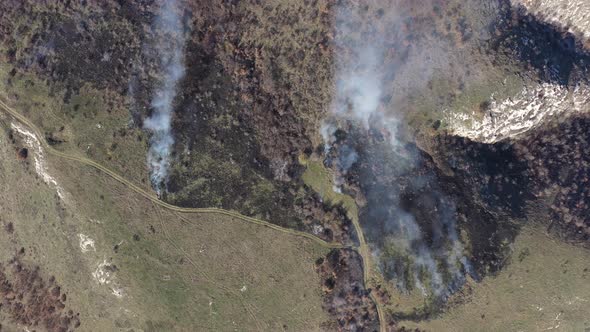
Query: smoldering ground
[409, 221]
[166, 44]
[427, 219]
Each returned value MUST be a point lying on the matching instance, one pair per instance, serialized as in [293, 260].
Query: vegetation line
[153, 197]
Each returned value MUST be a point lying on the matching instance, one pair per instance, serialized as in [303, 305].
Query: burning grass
[545, 287]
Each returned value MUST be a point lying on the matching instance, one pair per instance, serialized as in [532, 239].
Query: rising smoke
[436, 265]
[168, 46]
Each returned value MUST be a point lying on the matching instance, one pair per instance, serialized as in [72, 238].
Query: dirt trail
[363, 248]
[152, 197]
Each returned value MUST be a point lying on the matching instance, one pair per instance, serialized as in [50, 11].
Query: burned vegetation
[542, 50]
[245, 113]
[345, 297]
[557, 156]
[258, 81]
[489, 184]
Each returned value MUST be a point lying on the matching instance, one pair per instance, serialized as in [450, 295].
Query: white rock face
[572, 14]
[86, 243]
[535, 105]
[103, 276]
[515, 116]
[40, 163]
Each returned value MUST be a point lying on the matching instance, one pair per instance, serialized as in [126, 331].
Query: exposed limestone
[39, 158]
[513, 117]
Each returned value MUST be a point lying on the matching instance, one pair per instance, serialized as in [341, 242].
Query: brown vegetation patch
[345, 296]
[9, 227]
[27, 299]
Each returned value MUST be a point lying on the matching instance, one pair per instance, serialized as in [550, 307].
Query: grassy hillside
[126, 264]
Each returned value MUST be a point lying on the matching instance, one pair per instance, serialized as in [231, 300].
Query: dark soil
[22, 153]
[74, 42]
[9, 227]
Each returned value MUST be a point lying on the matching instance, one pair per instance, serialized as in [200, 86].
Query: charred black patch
[52, 140]
[74, 45]
[481, 190]
[551, 51]
[492, 187]
[495, 173]
[558, 156]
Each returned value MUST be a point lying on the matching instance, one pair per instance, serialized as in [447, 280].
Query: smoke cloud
[169, 48]
[436, 265]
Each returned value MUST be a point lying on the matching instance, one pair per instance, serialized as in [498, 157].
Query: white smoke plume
[359, 89]
[169, 46]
